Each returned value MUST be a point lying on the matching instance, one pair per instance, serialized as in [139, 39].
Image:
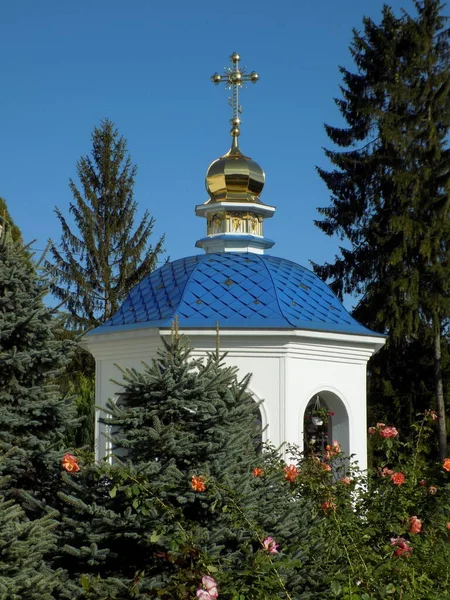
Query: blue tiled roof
[238, 290]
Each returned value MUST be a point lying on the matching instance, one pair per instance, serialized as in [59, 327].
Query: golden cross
[235, 77]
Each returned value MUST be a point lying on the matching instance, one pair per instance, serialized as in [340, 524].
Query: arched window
[261, 422]
[258, 428]
[325, 420]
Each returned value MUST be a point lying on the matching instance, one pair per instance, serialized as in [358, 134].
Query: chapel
[277, 320]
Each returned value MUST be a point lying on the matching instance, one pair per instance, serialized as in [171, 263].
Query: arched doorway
[325, 420]
[317, 426]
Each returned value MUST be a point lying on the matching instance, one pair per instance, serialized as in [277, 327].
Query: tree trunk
[107, 311]
[439, 391]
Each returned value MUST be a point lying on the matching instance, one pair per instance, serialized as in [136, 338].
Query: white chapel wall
[286, 374]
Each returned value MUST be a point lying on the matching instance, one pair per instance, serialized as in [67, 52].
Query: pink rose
[209, 591]
[270, 545]
[389, 432]
[401, 546]
[210, 585]
[385, 472]
[208, 582]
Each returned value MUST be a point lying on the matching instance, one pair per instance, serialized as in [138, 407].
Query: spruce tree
[140, 529]
[25, 548]
[4, 215]
[390, 182]
[104, 255]
[34, 417]
[78, 381]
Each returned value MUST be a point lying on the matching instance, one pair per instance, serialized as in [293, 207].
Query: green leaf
[85, 582]
[390, 588]
[113, 492]
[155, 537]
[336, 588]
[211, 569]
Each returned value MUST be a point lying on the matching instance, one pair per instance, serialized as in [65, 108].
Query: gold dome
[234, 178]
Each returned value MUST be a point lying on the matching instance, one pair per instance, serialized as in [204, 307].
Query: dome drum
[234, 226]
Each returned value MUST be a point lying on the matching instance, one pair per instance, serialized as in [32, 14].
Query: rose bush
[380, 534]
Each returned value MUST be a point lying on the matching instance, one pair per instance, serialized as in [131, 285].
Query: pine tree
[33, 416]
[142, 529]
[96, 265]
[391, 181]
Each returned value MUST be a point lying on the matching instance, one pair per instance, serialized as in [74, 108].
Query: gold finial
[235, 77]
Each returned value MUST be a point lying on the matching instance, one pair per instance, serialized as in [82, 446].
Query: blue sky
[146, 65]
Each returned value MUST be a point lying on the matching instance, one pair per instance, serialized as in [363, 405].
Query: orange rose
[257, 472]
[290, 473]
[333, 450]
[345, 480]
[328, 505]
[415, 525]
[70, 464]
[398, 478]
[198, 484]
[446, 464]
[432, 414]
[325, 466]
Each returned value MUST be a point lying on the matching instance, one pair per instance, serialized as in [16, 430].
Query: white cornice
[298, 344]
[303, 333]
[201, 210]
